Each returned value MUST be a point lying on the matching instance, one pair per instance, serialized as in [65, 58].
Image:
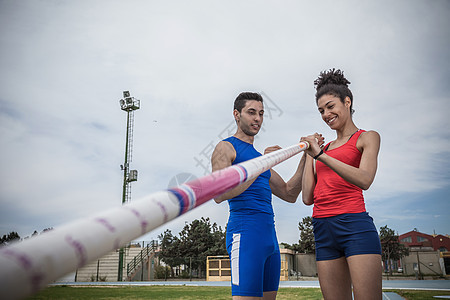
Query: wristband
[320, 153]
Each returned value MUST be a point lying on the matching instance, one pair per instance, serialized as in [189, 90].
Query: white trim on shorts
[236, 244]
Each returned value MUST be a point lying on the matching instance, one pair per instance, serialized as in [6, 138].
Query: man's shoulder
[228, 142]
[223, 155]
[224, 146]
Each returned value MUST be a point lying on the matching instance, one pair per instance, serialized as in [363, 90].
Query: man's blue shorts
[345, 235]
[255, 256]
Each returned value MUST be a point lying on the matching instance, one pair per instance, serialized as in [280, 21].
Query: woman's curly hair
[333, 82]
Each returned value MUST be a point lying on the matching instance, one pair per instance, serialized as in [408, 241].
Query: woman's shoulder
[370, 134]
[369, 137]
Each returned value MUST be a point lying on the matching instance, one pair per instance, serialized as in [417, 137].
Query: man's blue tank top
[257, 198]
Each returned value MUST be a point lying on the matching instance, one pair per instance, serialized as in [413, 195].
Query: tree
[391, 248]
[6, 239]
[306, 242]
[197, 241]
[219, 241]
[162, 272]
[293, 247]
[170, 246]
[15, 236]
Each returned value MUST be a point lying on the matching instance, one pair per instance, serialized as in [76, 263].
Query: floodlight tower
[128, 104]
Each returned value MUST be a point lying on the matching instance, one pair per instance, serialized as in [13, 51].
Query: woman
[348, 250]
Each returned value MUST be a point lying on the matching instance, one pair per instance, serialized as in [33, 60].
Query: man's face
[250, 119]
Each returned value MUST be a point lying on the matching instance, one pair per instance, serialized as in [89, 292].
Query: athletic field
[111, 292]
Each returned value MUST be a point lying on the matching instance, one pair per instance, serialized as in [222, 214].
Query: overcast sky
[64, 65]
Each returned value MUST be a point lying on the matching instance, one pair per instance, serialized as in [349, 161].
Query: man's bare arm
[222, 157]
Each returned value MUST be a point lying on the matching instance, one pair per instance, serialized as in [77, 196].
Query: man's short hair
[242, 99]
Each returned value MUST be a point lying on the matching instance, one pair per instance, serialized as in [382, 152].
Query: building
[293, 265]
[429, 254]
[418, 240]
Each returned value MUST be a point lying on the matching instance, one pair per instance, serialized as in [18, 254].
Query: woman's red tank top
[332, 194]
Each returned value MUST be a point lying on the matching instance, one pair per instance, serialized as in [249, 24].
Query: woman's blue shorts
[345, 235]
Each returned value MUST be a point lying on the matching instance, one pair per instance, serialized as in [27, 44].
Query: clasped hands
[316, 143]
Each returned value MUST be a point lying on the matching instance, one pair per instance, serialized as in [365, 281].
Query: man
[251, 239]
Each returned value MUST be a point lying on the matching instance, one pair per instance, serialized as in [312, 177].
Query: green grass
[160, 292]
[189, 292]
[419, 295]
[133, 292]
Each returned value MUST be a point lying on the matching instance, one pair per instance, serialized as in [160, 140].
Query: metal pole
[125, 166]
[190, 268]
[388, 262]
[124, 192]
[418, 265]
[98, 267]
[142, 268]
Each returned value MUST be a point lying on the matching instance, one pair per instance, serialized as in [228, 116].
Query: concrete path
[392, 296]
[443, 285]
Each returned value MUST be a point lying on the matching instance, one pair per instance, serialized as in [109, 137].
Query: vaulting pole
[28, 266]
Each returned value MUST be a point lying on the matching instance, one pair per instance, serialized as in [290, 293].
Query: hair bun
[331, 76]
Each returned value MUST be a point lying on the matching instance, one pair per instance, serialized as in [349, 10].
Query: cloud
[64, 65]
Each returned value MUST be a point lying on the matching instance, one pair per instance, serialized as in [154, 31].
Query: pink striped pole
[29, 266]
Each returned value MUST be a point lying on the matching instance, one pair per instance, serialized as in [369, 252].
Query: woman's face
[334, 113]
